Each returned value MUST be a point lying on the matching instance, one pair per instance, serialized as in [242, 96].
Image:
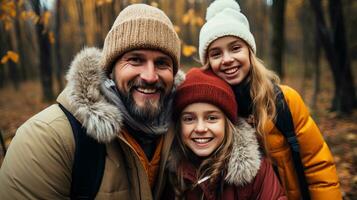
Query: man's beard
[151, 108]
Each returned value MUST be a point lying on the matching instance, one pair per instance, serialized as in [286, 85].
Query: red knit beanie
[204, 86]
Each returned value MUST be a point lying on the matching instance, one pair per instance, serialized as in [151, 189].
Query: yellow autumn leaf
[20, 3]
[29, 15]
[185, 19]
[4, 59]
[154, 4]
[199, 21]
[8, 25]
[99, 2]
[10, 55]
[177, 29]
[13, 56]
[51, 37]
[45, 18]
[188, 50]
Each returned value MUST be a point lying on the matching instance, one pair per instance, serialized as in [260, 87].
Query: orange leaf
[45, 18]
[188, 50]
[4, 59]
[13, 56]
[154, 4]
[177, 29]
[8, 25]
[185, 19]
[51, 37]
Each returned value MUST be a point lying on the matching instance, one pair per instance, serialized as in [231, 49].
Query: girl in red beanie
[227, 47]
[215, 155]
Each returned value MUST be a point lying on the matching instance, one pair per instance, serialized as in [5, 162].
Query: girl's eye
[135, 60]
[187, 118]
[212, 118]
[236, 48]
[214, 54]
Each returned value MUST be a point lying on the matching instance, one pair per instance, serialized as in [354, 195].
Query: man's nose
[149, 73]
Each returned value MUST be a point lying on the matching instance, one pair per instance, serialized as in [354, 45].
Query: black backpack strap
[285, 125]
[89, 161]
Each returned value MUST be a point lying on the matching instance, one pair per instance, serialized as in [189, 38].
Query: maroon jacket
[248, 176]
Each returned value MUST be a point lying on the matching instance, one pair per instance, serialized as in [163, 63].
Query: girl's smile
[203, 128]
[229, 58]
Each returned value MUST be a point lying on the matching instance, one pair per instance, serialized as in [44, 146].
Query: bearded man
[121, 96]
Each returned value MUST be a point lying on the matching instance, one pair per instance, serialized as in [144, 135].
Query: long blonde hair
[262, 82]
[215, 166]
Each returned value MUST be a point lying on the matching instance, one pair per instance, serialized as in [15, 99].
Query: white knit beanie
[223, 18]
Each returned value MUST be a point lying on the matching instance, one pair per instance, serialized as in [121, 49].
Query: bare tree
[45, 55]
[334, 43]
[59, 69]
[278, 15]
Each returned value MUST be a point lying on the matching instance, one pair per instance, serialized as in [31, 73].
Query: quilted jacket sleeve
[317, 159]
[38, 162]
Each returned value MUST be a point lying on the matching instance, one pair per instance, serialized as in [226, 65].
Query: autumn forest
[311, 44]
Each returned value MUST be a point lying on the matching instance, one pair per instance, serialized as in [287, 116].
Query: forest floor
[340, 132]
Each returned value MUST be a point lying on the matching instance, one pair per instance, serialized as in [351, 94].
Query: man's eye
[162, 64]
[135, 60]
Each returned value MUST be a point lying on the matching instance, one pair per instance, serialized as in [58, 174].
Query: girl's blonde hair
[214, 167]
[262, 81]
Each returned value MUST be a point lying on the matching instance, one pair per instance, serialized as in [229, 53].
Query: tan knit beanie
[140, 26]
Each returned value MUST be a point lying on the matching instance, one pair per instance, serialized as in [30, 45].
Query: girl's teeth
[230, 71]
[201, 140]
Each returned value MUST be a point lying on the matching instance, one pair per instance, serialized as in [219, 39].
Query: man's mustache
[138, 82]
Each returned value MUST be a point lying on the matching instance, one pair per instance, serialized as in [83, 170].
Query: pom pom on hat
[219, 5]
[224, 19]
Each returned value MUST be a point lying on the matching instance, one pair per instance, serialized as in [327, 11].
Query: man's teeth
[147, 90]
[230, 71]
[202, 140]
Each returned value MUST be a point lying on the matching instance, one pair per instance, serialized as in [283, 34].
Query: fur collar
[86, 77]
[244, 163]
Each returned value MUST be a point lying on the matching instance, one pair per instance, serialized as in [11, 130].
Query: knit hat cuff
[141, 33]
[212, 31]
[199, 93]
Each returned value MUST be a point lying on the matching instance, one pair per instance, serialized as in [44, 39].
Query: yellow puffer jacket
[320, 170]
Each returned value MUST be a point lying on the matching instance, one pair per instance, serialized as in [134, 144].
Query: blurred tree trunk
[13, 67]
[306, 19]
[317, 71]
[81, 23]
[45, 56]
[335, 45]
[59, 69]
[2, 53]
[278, 15]
[20, 43]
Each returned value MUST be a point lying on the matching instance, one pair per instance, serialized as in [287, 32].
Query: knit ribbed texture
[140, 26]
[224, 19]
[206, 87]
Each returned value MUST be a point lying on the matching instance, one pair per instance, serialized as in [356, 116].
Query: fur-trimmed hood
[84, 97]
[244, 163]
